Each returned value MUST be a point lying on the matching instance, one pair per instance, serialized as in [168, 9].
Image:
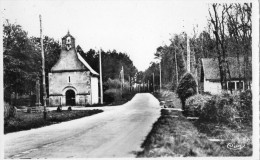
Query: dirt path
[118, 132]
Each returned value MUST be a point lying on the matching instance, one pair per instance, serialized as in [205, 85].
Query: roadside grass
[27, 121]
[173, 135]
[170, 98]
[240, 135]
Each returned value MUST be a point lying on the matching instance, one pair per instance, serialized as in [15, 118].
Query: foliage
[228, 34]
[196, 103]
[231, 109]
[113, 83]
[22, 59]
[225, 108]
[186, 87]
[115, 91]
[220, 109]
[232, 27]
[9, 111]
[20, 69]
[112, 62]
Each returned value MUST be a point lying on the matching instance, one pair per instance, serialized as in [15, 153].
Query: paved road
[118, 132]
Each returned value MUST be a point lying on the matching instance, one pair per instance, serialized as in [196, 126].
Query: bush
[9, 111]
[186, 88]
[114, 93]
[69, 109]
[195, 104]
[220, 109]
[227, 108]
[29, 110]
[113, 83]
[108, 97]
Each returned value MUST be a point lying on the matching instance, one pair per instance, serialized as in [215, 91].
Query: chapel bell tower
[68, 42]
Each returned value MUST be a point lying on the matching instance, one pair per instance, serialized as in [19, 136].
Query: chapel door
[70, 98]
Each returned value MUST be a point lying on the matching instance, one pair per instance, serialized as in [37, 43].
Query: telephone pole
[176, 67]
[188, 54]
[153, 83]
[160, 66]
[100, 78]
[43, 71]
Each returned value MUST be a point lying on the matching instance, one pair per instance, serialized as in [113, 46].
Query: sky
[134, 27]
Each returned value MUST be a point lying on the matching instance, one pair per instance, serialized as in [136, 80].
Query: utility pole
[123, 77]
[176, 67]
[153, 83]
[100, 78]
[160, 76]
[129, 83]
[148, 87]
[188, 54]
[43, 71]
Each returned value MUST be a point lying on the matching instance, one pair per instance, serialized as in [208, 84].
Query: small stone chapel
[71, 80]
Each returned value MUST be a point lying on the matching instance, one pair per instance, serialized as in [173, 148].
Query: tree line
[228, 34]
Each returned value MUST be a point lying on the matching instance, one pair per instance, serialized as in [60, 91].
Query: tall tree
[219, 29]
[20, 67]
[240, 30]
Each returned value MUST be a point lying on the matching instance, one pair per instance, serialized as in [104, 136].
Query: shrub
[108, 98]
[114, 93]
[9, 111]
[69, 109]
[29, 110]
[195, 104]
[113, 83]
[186, 87]
[220, 109]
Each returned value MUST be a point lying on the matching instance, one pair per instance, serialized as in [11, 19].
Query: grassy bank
[26, 121]
[175, 135]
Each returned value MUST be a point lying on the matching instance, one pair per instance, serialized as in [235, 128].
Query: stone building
[71, 80]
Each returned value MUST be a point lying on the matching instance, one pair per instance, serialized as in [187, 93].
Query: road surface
[117, 132]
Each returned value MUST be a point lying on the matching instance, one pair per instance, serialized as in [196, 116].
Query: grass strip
[26, 121]
[178, 137]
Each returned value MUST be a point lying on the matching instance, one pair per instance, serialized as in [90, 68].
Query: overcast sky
[134, 27]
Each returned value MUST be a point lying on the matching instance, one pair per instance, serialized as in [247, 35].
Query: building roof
[71, 60]
[86, 64]
[211, 68]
